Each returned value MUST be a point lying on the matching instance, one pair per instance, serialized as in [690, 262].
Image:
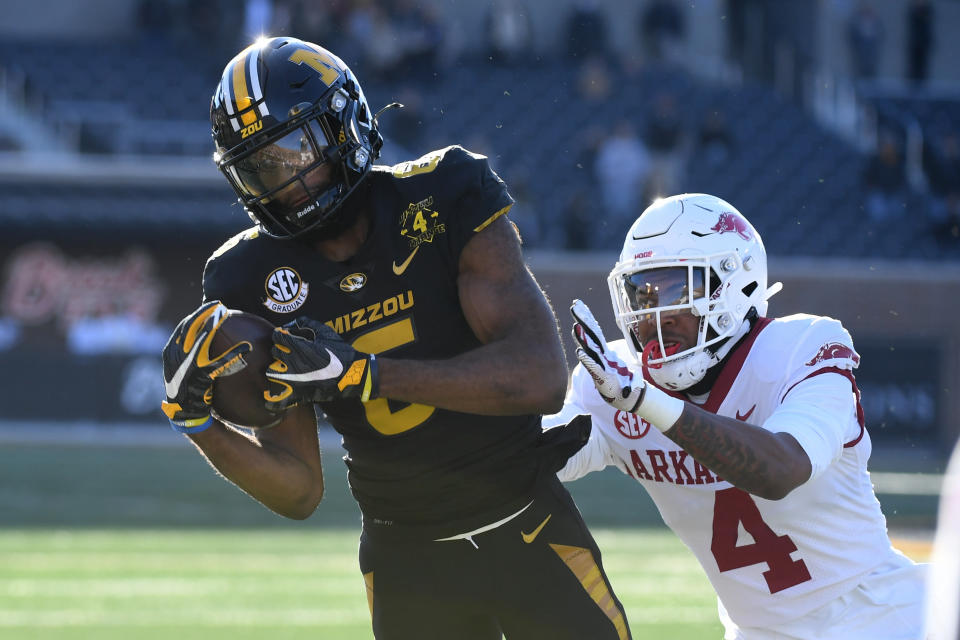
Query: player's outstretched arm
[765, 464]
[803, 436]
[520, 367]
[279, 467]
[768, 464]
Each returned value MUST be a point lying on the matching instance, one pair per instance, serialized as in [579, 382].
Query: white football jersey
[943, 613]
[768, 560]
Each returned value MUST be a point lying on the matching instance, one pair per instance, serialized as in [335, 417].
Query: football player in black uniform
[410, 320]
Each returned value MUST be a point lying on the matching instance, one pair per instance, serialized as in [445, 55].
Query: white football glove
[616, 383]
[613, 378]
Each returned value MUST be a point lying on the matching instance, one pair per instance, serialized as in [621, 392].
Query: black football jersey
[408, 463]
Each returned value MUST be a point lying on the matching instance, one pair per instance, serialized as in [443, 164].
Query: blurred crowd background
[833, 125]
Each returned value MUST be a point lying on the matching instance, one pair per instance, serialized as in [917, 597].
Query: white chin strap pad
[687, 371]
[684, 372]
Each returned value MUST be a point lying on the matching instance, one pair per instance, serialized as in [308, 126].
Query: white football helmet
[688, 253]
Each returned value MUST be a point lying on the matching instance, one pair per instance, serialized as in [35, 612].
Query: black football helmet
[294, 134]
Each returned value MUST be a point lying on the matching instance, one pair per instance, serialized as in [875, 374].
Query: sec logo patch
[286, 290]
[630, 425]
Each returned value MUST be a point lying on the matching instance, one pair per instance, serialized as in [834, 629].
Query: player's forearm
[268, 471]
[506, 377]
[765, 464]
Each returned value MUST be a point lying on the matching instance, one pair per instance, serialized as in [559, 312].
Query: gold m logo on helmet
[250, 129]
[320, 61]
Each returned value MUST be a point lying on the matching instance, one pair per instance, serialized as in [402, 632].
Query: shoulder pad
[226, 267]
[820, 342]
[448, 173]
[459, 184]
[246, 234]
[446, 160]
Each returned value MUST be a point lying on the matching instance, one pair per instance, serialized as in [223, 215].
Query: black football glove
[189, 369]
[314, 364]
[560, 443]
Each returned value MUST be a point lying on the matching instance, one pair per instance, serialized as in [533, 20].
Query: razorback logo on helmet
[834, 351]
[731, 222]
[630, 425]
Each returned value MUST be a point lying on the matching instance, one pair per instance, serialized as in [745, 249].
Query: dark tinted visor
[664, 287]
[282, 160]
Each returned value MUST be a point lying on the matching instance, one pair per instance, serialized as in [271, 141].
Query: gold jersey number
[379, 415]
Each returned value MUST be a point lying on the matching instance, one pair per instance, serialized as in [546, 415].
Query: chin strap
[723, 352]
[697, 370]
[723, 349]
[375, 137]
[392, 105]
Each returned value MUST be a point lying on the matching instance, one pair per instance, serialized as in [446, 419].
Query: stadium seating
[799, 183]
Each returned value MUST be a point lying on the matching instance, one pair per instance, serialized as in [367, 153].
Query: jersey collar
[733, 366]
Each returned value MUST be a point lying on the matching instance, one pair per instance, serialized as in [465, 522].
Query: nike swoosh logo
[399, 269]
[530, 537]
[747, 414]
[172, 386]
[333, 370]
[203, 359]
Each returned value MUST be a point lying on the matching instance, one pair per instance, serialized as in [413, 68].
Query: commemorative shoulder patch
[286, 290]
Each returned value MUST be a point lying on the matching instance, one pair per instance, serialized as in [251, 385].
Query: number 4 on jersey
[732, 507]
[420, 223]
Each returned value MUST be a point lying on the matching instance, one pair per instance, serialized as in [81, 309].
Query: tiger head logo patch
[353, 282]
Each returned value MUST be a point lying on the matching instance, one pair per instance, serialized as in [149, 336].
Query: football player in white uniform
[943, 606]
[746, 431]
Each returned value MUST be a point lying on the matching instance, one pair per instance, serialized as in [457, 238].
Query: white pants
[887, 605]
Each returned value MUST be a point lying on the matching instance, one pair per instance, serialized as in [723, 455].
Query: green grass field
[190, 584]
[135, 542]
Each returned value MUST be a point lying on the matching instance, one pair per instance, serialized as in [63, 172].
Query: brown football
[238, 398]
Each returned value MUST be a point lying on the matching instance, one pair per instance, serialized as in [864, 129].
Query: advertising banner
[83, 321]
